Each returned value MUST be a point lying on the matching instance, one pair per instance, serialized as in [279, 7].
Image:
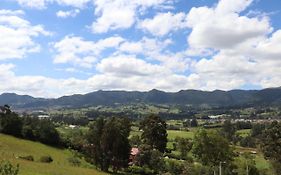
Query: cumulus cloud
[156, 49]
[164, 23]
[17, 35]
[70, 13]
[42, 4]
[222, 27]
[125, 13]
[77, 51]
[124, 65]
[240, 49]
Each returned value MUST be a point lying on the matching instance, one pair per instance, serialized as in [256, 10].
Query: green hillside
[11, 148]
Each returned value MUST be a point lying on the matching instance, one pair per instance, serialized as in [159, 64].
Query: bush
[29, 158]
[74, 161]
[46, 159]
[6, 168]
[139, 170]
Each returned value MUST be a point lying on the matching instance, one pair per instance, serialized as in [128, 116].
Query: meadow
[11, 148]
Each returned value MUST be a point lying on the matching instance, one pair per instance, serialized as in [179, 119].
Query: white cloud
[124, 65]
[154, 49]
[38, 4]
[42, 4]
[73, 3]
[246, 52]
[125, 13]
[164, 23]
[222, 27]
[17, 35]
[77, 51]
[70, 13]
[11, 12]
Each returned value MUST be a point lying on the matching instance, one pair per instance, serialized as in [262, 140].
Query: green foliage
[134, 169]
[174, 167]
[151, 158]
[248, 141]
[211, 148]
[6, 168]
[271, 145]
[154, 132]
[47, 133]
[228, 130]
[46, 159]
[109, 143]
[74, 138]
[135, 140]
[257, 129]
[10, 123]
[74, 161]
[183, 145]
[29, 128]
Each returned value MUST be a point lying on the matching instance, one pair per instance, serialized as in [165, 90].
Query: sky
[51, 48]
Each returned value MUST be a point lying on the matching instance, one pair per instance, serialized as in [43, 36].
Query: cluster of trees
[271, 145]
[108, 143]
[28, 127]
[70, 120]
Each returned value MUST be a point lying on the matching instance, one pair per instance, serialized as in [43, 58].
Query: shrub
[46, 159]
[6, 168]
[74, 161]
[139, 170]
[29, 158]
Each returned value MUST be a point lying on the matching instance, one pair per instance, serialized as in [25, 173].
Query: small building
[133, 155]
[43, 117]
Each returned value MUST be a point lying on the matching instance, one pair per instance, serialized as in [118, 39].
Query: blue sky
[50, 48]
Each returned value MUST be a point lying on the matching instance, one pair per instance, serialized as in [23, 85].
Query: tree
[228, 130]
[47, 133]
[247, 165]
[257, 129]
[115, 143]
[10, 122]
[183, 145]
[109, 143]
[151, 158]
[193, 122]
[211, 148]
[94, 147]
[135, 140]
[154, 132]
[271, 145]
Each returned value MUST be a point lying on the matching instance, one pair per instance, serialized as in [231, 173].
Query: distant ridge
[217, 98]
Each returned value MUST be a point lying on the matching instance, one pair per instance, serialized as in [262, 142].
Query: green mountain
[217, 98]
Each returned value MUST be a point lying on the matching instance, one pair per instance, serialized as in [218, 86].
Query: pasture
[11, 148]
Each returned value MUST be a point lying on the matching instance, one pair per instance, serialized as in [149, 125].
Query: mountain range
[217, 98]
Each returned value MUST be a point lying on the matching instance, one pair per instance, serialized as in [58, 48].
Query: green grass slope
[11, 148]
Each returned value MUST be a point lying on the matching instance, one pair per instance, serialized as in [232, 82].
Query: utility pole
[247, 167]
[220, 168]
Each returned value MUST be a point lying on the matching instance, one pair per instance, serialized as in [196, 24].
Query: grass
[244, 132]
[261, 163]
[11, 148]
[172, 134]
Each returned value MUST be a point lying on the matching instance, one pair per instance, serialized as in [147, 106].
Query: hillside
[11, 147]
[217, 98]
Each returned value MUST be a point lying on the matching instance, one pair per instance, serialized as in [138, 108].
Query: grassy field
[261, 163]
[172, 134]
[244, 132]
[11, 148]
